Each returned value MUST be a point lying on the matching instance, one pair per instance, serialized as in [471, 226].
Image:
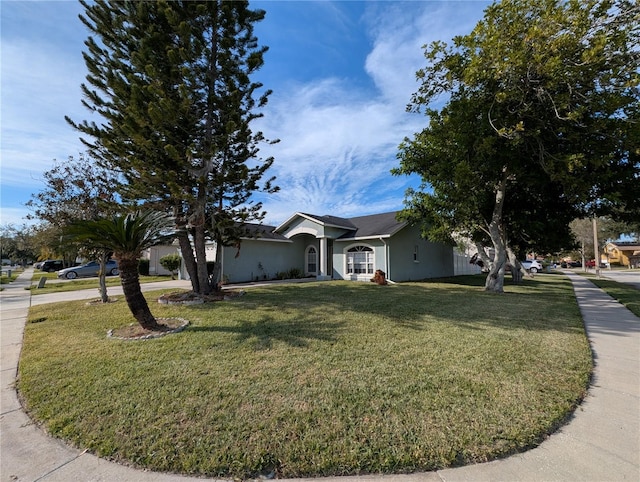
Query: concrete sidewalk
[600, 443]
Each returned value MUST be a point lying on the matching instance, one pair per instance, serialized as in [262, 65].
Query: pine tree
[172, 84]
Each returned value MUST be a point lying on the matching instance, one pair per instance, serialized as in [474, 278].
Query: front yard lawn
[56, 285]
[314, 379]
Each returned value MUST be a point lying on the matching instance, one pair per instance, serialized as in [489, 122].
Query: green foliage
[18, 243]
[293, 273]
[126, 235]
[540, 124]
[172, 82]
[171, 262]
[143, 266]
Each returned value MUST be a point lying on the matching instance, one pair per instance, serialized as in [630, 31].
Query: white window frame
[355, 268]
[307, 253]
[416, 258]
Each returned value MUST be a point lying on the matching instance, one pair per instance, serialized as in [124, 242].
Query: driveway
[631, 277]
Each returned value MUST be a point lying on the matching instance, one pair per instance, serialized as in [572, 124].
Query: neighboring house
[623, 253]
[154, 254]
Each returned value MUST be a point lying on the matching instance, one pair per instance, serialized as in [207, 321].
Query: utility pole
[596, 249]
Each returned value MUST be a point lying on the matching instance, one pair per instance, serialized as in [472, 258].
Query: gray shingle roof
[384, 224]
[262, 231]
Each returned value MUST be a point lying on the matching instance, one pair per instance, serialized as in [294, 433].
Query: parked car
[89, 269]
[531, 265]
[590, 264]
[51, 265]
[571, 264]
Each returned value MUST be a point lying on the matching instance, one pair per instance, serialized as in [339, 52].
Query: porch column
[322, 265]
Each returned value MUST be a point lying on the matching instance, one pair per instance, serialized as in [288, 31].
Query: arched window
[360, 260]
[311, 260]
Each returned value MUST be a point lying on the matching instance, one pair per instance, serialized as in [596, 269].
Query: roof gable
[326, 221]
[372, 226]
[626, 245]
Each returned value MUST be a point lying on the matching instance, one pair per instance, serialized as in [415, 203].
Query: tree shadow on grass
[465, 303]
[266, 331]
[298, 314]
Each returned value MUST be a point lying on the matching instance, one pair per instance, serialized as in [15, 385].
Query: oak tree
[539, 125]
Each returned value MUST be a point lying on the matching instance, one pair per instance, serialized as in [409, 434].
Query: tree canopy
[539, 126]
[171, 83]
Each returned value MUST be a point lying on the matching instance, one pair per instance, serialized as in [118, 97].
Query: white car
[531, 265]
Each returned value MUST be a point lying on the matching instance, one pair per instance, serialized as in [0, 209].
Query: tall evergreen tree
[171, 82]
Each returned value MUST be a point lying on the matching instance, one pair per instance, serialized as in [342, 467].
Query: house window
[415, 253]
[312, 260]
[360, 260]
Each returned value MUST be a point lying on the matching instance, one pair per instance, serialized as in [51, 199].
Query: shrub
[171, 262]
[143, 267]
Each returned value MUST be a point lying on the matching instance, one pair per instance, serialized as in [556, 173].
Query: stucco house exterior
[329, 247]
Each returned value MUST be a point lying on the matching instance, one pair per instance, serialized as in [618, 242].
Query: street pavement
[601, 442]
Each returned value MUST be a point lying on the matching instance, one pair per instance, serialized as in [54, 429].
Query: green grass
[53, 285]
[625, 294]
[6, 279]
[314, 379]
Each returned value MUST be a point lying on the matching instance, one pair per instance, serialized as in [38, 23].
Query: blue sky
[341, 73]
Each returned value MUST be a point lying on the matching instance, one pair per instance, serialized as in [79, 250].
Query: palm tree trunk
[133, 294]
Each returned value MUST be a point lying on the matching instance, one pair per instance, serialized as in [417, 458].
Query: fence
[462, 266]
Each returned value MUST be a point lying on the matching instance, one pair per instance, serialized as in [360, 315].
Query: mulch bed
[135, 331]
[191, 298]
[171, 325]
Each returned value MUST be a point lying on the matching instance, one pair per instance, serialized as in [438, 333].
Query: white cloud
[338, 144]
[337, 147]
[34, 103]
[339, 138]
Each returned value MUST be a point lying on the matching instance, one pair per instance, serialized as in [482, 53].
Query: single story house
[329, 247]
[623, 253]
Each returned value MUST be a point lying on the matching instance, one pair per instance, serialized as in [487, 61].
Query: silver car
[89, 269]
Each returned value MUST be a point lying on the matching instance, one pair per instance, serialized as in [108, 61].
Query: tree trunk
[201, 257]
[482, 254]
[189, 260]
[516, 267]
[102, 278]
[133, 294]
[200, 242]
[216, 276]
[495, 278]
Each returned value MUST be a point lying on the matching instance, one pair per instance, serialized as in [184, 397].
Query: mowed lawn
[315, 378]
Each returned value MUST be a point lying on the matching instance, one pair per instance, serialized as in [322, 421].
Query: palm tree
[127, 236]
